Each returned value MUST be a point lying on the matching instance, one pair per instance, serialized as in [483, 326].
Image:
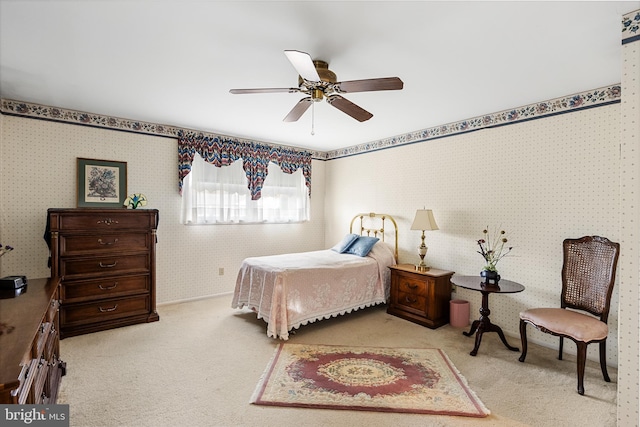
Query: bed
[291, 290]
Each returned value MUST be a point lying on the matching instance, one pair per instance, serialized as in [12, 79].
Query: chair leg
[603, 360]
[523, 339]
[582, 359]
[560, 348]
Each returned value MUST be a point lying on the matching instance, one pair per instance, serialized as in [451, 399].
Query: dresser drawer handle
[412, 286]
[107, 288]
[410, 300]
[107, 221]
[107, 310]
[108, 265]
[107, 243]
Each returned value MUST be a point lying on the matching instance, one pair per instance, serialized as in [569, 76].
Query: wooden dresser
[30, 365]
[105, 259]
[421, 297]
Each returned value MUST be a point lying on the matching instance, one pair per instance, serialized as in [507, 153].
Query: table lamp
[423, 221]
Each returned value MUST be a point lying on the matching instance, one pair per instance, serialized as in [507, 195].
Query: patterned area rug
[410, 380]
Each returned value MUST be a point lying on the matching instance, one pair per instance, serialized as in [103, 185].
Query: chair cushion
[579, 326]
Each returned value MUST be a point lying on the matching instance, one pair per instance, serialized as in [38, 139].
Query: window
[220, 195]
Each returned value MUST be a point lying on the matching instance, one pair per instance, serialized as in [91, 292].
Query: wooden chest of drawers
[421, 297]
[31, 369]
[105, 259]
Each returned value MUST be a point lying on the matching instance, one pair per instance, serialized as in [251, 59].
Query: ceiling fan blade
[303, 64]
[266, 90]
[349, 108]
[385, 83]
[298, 110]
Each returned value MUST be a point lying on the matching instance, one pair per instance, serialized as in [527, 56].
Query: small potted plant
[492, 249]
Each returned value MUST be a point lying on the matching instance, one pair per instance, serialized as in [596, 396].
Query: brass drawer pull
[108, 265]
[107, 310]
[107, 221]
[108, 287]
[107, 243]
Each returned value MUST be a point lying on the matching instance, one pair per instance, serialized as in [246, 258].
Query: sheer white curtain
[215, 195]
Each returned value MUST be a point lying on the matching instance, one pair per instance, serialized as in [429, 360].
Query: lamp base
[422, 267]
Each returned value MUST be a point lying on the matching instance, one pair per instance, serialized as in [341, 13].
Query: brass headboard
[377, 232]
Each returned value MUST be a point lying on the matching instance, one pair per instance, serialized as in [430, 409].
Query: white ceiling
[173, 62]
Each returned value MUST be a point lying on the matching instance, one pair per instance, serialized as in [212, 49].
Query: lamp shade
[424, 220]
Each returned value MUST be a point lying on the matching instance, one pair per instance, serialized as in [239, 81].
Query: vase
[490, 277]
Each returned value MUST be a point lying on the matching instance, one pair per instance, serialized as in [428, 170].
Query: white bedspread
[294, 289]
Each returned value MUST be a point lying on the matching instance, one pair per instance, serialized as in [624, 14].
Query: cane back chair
[588, 276]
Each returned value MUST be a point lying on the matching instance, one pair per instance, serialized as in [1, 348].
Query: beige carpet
[200, 364]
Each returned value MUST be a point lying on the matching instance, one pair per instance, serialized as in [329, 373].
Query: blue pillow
[362, 246]
[345, 243]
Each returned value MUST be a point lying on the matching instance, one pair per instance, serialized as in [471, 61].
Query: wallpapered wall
[629, 265]
[38, 171]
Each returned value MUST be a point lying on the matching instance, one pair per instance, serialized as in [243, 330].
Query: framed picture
[101, 183]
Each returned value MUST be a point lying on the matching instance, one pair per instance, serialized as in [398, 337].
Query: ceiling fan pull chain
[313, 116]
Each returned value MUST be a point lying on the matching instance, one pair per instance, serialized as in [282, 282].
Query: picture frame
[101, 183]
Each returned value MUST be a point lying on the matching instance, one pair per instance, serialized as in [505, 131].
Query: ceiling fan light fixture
[316, 95]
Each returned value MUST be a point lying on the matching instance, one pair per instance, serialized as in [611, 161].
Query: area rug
[409, 380]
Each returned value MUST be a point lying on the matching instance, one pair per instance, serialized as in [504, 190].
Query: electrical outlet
[221, 271]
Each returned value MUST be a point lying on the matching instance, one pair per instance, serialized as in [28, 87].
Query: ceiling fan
[317, 81]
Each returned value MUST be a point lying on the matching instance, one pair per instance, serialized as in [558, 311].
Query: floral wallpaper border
[631, 27]
[594, 98]
[579, 101]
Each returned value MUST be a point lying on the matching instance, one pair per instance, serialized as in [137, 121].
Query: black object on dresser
[105, 259]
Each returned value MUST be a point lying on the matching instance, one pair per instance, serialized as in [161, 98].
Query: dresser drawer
[39, 381]
[52, 312]
[51, 346]
[74, 291]
[40, 339]
[115, 308]
[100, 243]
[113, 220]
[71, 268]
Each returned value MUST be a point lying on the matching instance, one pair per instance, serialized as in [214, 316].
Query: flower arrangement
[492, 248]
[5, 249]
[136, 200]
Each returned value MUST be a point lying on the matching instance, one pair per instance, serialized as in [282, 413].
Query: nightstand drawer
[410, 301]
[410, 285]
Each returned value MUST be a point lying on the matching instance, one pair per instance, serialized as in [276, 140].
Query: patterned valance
[255, 158]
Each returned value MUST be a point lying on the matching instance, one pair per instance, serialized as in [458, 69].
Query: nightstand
[420, 296]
